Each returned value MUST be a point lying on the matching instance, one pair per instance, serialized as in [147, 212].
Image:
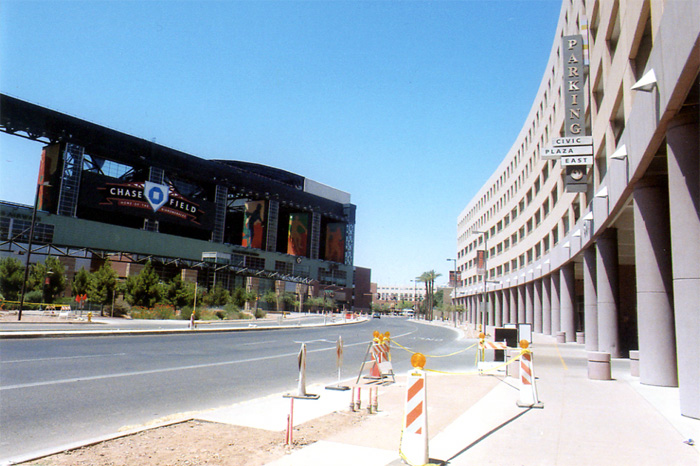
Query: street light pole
[454, 290]
[29, 249]
[482, 314]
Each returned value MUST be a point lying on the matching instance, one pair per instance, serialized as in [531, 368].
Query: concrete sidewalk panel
[270, 413]
[337, 454]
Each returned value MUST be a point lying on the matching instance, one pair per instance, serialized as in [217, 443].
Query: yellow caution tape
[479, 371]
[437, 356]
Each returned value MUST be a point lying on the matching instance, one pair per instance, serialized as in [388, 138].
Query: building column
[684, 202]
[505, 299]
[491, 310]
[537, 298]
[472, 310]
[556, 311]
[655, 323]
[607, 292]
[547, 305]
[521, 304]
[590, 300]
[529, 307]
[567, 296]
[497, 308]
[514, 305]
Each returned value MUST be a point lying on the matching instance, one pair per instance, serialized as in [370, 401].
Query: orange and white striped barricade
[482, 364]
[377, 358]
[414, 437]
[528, 388]
[380, 364]
[301, 387]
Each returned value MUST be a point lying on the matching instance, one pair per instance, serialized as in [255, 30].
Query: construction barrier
[338, 365]
[301, 387]
[528, 388]
[380, 363]
[413, 448]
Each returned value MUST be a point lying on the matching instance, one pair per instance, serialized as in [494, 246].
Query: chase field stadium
[104, 194]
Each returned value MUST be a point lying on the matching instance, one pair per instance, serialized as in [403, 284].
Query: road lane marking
[170, 369]
[59, 358]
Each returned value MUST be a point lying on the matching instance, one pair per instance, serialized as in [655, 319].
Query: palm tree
[429, 279]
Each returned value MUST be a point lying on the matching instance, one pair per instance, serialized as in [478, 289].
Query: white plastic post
[414, 441]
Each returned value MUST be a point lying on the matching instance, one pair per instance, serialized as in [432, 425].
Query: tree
[429, 279]
[270, 297]
[49, 278]
[219, 296]
[238, 297]
[312, 303]
[11, 277]
[143, 289]
[81, 282]
[103, 284]
[291, 299]
[179, 293]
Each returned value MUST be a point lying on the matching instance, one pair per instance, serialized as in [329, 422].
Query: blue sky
[407, 105]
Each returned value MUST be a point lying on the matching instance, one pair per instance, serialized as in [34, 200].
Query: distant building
[393, 294]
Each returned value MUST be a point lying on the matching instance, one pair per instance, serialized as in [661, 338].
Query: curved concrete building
[590, 227]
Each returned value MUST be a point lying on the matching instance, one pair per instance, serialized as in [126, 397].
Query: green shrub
[260, 313]
[121, 308]
[32, 297]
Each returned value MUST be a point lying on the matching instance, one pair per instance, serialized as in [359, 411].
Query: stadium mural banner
[335, 242]
[144, 199]
[254, 225]
[298, 234]
[47, 171]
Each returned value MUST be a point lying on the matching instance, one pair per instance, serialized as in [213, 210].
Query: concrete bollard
[513, 369]
[581, 338]
[634, 363]
[561, 337]
[599, 366]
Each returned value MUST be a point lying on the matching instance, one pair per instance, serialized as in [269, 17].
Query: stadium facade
[101, 193]
[589, 229]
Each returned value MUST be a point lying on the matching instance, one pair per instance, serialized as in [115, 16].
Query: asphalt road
[59, 390]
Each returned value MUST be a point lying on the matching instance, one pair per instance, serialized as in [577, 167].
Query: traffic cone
[414, 438]
[528, 388]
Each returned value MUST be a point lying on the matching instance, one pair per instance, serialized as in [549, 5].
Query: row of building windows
[484, 220]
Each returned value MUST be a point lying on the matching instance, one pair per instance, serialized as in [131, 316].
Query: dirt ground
[195, 443]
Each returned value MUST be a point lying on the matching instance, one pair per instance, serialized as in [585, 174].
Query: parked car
[376, 315]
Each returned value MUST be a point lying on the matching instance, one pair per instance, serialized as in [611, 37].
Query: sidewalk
[474, 419]
[583, 422]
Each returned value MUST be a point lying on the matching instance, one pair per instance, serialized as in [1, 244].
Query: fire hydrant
[90, 317]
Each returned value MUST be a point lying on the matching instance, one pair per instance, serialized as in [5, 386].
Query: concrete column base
[599, 366]
[581, 338]
[561, 337]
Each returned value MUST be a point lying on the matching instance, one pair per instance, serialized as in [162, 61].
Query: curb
[184, 331]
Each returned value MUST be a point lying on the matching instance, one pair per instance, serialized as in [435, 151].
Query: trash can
[581, 338]
[634, 363]
[561, 337]
[599, 365]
